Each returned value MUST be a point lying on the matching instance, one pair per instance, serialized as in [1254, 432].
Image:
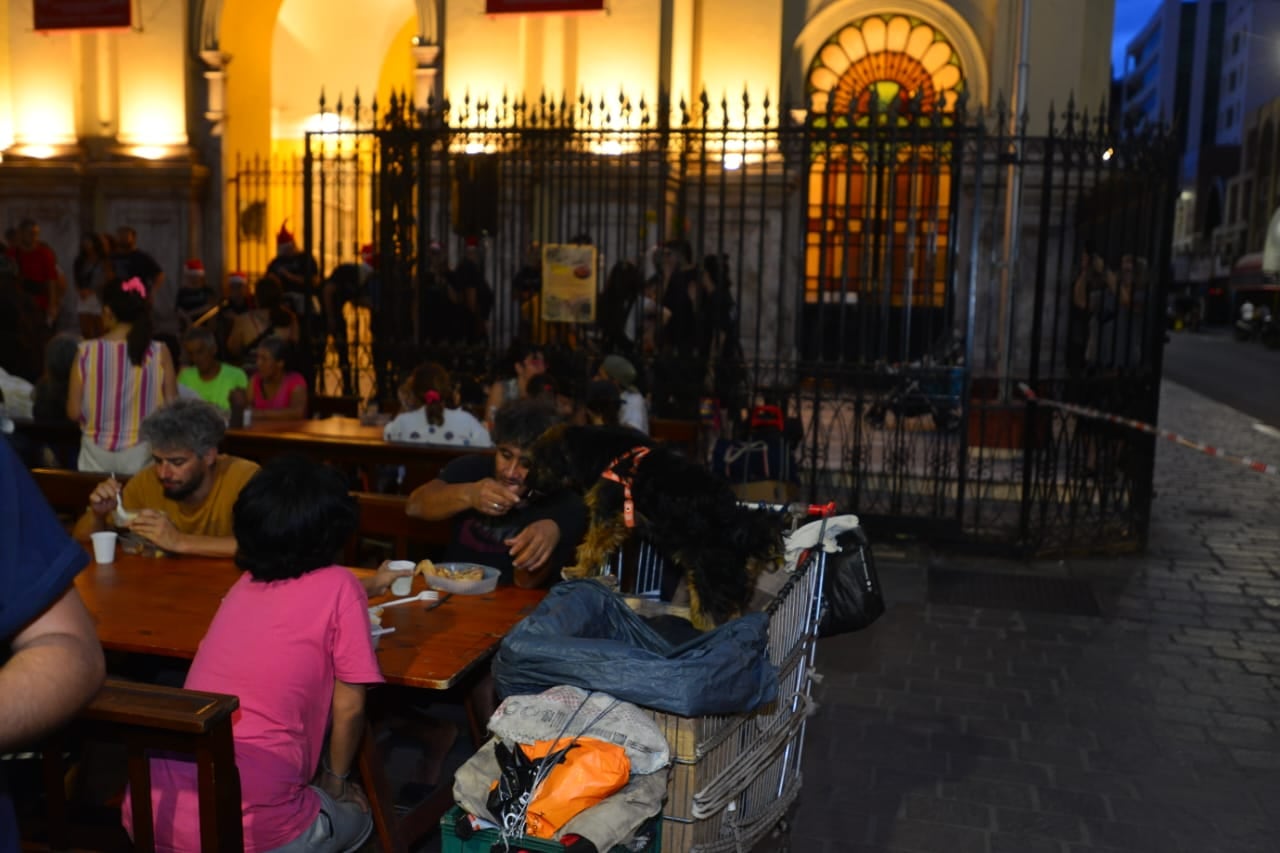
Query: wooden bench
[383, 517]
[145, 718]
[680, 434]
[68, 491]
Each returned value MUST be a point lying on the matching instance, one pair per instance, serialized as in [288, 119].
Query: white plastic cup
[104, 546]
[402, 586]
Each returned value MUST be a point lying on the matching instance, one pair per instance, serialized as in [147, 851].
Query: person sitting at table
[276, 393]
[428, 415]
[52, 662]
[183, 499]
[211, 380]
[291, 639]
[523, 362]
[495, 522]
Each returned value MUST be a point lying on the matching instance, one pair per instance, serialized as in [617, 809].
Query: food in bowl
[453, 572]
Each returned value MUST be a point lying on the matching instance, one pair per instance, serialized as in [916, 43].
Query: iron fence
[888, 277]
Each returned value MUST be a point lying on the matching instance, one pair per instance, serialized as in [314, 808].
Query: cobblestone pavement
[946, 729]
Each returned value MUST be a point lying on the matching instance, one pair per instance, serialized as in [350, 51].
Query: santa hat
[193, 267]
[283, 236]
[471, 242]
[237, 278]
[367, 255]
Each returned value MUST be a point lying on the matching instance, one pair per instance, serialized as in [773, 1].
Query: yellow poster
[568, 283]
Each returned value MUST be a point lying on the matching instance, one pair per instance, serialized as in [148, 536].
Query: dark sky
[1131, 15]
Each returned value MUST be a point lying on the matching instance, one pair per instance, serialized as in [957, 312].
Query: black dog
[633, 486]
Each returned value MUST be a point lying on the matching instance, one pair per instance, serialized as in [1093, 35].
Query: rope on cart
[721, 790]
[742, 840]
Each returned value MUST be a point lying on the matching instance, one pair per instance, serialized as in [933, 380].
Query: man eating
[182, 501]
[495, 524]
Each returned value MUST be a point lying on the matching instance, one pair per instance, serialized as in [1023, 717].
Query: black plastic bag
[517, 779]
[586, 636]
[851, 586]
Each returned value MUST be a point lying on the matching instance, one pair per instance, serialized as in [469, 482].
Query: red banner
[82, 14]
[509, 7]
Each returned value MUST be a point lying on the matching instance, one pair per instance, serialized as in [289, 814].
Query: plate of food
[459, 578]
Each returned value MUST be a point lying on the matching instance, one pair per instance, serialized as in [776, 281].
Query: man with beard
[183, 499]
[496, 522]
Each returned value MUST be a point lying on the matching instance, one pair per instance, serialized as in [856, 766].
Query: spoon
[425, 595]
[122, 515]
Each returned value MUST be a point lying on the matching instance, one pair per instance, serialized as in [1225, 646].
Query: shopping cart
[735, 776]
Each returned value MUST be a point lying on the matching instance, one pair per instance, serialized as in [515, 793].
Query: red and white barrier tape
[1168, 435]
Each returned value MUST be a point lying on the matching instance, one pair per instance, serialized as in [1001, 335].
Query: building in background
[151, 124]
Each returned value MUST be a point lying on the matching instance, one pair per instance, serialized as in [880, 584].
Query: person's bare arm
[55, 669]
[169, 387]
[344, 740]
[437, 499]
[75, 390]
[157, 528]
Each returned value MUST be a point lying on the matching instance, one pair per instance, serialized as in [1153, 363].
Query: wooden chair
[144, 718]
[68, 491]
[384, 517]
[680, 434]
[322, 406]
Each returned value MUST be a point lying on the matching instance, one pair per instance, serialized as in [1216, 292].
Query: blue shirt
[38, 561]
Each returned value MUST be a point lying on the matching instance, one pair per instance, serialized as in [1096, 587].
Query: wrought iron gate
[893, 276]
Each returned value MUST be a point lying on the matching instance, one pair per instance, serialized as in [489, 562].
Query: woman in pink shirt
[274, 392]
[292, 640]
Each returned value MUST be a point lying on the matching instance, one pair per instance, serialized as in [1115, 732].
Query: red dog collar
[633, 456]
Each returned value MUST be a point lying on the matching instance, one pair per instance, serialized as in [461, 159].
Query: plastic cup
[402, 586]
[104, 546]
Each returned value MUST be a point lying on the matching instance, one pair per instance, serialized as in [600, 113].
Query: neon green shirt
[218, 389]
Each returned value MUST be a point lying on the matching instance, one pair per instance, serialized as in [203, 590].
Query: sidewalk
[948, 729]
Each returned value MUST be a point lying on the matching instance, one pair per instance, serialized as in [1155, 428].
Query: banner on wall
[510, 7]
[569, 283]
[82, 14]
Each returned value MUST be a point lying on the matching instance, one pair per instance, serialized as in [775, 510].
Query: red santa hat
[237, 278]
[471, 242]
[368, 256]
[193, 267]
[284, 236]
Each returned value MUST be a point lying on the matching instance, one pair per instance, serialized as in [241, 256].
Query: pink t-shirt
[280, 400]
[278, 646]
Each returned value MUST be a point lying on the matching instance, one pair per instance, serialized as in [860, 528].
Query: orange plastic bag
[592, 770]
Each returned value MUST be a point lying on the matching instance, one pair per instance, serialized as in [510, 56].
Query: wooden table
[345, 441]
[145, 605]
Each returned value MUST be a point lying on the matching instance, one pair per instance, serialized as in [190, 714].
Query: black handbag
[851, 587]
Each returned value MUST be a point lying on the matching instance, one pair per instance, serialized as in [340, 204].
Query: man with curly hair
[183, 499]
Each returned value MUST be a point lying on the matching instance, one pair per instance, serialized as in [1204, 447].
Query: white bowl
[486, 584]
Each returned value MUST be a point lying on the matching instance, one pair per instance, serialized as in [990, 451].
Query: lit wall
[619, 52]
[738, 49]
[6, 102]
[596, 54]
[42, 81]
[485, 54]
[151, 79]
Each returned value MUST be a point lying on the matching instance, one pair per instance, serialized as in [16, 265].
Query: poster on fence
[81, 14]
[568, 283]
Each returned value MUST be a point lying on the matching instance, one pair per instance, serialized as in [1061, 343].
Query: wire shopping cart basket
[735, 776]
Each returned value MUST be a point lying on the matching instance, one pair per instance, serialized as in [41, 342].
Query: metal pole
[1012, 202]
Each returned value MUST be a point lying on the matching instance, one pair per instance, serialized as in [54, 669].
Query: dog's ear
[550, 466]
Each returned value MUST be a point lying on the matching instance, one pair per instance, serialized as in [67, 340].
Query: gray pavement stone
[953, 729]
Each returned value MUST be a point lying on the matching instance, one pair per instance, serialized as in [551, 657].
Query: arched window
[878, 221]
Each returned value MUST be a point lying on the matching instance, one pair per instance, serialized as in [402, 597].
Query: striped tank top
[117, 393]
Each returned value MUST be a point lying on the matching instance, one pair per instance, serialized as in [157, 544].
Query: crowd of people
[155, 373]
